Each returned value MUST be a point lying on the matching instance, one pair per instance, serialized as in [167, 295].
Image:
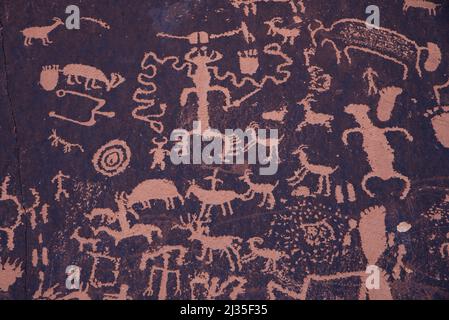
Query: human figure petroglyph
[50, 76]
[40, 33]
[10, 271]
[353, 34]
[153, 189]
[159, 153]
[276, 115]
[126, 230]
[58, 179]
[56, 140]
[265, 189]
[306, 167]
[201, 77]
[431, 7]
[370, 76]
[387, 102]
[225, 245]
[377, 148]
[22, 211]
[312, 118]
[199, 70]
[271, 256]
[166, 253]
[288, 35]
[93, 113]
[440, 122]
[215, 288]
[211, 198]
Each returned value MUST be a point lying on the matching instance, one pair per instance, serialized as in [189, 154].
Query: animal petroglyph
[56, 140]
[112, 158]
[377, 148]
[93, 113]
[22, 212]
[40, 33]
[225, 245]
[312, 118]
[153, 189]
[324, 172]
[265, 189]
[50, 76]
[288, 35]
[271, 256]
[440, 123]
[353, 34]
[421, 4]
[126, 229]
[211, 198]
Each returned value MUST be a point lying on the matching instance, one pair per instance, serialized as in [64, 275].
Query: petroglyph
[352, 34]
[380, 154]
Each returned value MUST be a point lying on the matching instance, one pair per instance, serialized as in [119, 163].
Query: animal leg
[77, 80]
[231, 263]
[230, 208]
[223, 209]
[264, 199]
[226, 93]
[70, 80]
[44, 42]
[94, 85]
[86, 84]
[320, 185]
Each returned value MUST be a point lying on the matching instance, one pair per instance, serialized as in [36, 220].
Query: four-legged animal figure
[265, 189]
[324, 172]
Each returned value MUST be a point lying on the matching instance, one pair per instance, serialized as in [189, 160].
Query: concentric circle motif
[112, 158]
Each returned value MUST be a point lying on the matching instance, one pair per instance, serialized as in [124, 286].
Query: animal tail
[97, 21]
[116, 80]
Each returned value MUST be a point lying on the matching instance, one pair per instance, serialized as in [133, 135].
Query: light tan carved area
[344, 199]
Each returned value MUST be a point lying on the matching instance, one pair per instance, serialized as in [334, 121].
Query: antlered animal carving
[287, 34]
